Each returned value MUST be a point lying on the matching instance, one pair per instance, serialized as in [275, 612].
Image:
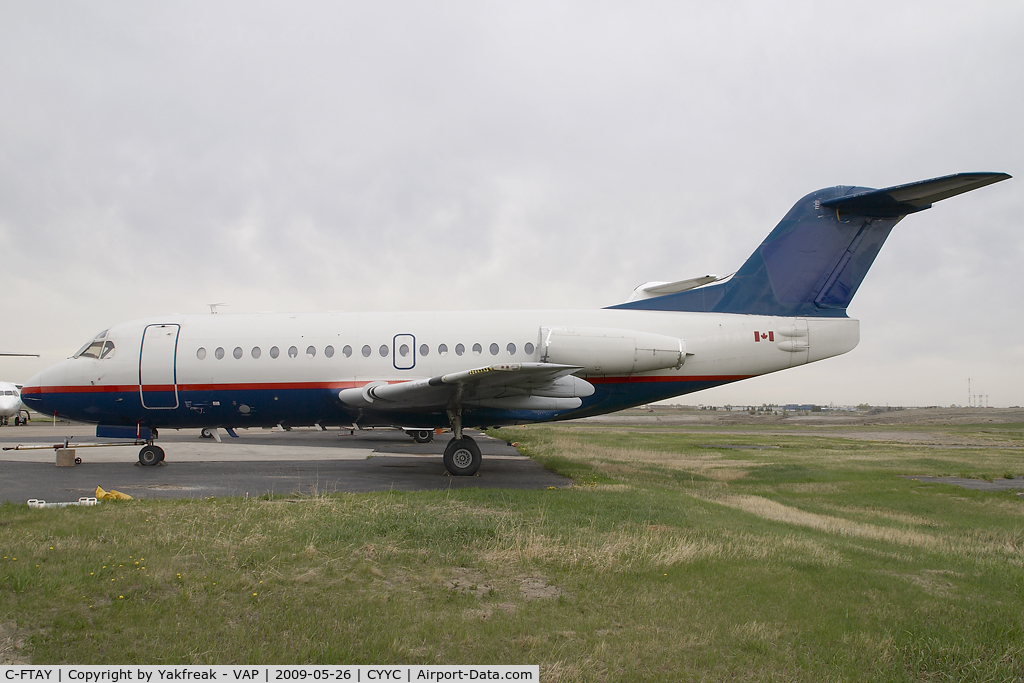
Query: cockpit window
[93, 350]
[97, 348]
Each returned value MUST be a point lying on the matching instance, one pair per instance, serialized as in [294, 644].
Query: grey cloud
[475, 155]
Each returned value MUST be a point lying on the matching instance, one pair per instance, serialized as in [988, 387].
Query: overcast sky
[155, 157]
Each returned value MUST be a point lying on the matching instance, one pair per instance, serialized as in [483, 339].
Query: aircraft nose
[33, 391]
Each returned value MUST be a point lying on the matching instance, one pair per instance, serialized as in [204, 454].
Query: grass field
[682, 554]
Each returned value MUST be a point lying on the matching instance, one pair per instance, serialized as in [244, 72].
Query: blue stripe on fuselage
[308, 406]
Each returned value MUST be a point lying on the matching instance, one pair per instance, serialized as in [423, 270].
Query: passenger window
[274, 352]
[310, 351]
[108, 350]
[256, 352]
[528, 348]
[459, 349]
[493, 349]
[219, 353]
[511, 348]
[404, 350]
[237, 353]
[292, 352]
[384, 350]
[424, 350]
[347, 351]
[366, 351]
[442, 349]
[477, 349]
[329, 351]
[200, 353]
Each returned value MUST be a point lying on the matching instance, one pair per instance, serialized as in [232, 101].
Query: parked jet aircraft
[786, 306]
[10, 398]
[10, 404]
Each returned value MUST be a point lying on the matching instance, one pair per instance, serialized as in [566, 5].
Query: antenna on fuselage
[31, 355]
[213, 307]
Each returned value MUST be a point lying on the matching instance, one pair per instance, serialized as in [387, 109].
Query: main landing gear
[462, 455]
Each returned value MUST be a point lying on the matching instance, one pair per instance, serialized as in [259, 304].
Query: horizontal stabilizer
[900, 200]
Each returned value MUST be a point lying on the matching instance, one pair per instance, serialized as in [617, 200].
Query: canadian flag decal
[760, 336]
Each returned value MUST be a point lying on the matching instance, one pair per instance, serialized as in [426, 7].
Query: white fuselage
[221, 370]
[10, 400]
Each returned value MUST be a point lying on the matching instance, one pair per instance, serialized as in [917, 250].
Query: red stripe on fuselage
[115, 388]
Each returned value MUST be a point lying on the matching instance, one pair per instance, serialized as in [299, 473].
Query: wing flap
[522, 384]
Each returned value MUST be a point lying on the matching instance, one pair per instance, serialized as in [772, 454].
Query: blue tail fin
[815, 259]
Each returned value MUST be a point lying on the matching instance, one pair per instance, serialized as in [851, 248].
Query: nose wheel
[151, 455]
[462, 457]
[422, 435]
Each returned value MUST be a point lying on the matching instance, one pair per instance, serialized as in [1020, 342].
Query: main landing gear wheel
[151, 455]
[206, 433]
[423, 435]
[462, 457]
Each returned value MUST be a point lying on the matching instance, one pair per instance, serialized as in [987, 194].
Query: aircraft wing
[522, 386]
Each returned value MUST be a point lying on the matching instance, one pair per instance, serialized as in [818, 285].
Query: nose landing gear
[421, 435]
[151, 455]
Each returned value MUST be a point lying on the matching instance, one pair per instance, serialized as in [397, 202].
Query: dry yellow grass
[1009, 548]
[709, 464]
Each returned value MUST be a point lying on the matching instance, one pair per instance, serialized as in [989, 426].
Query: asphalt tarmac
[301, 462]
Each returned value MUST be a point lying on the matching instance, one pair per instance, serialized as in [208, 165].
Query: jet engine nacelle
[608, 351]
